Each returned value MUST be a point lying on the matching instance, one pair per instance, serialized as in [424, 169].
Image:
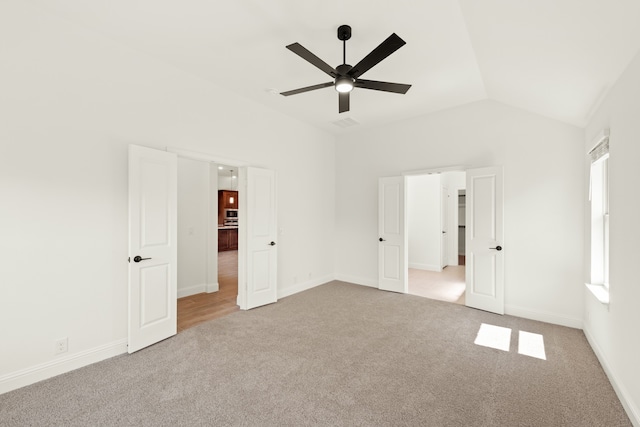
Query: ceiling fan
[347, 77]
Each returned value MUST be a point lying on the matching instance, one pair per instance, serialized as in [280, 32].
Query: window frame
[599, 214]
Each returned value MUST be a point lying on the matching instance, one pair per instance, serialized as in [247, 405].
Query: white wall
[212, 238]
[226, 182]
[193, 223]
[543, 167]
[613, 330]
[71, 103]
[423, 216]
[455, 179]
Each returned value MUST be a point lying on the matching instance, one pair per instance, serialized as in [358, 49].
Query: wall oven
[231, 217]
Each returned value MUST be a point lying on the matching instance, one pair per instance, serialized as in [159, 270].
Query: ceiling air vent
[345, 123]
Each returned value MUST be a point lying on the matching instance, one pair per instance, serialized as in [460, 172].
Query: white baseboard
[192, 290]
[372, 283]
[212, 287]
[299, 287]
[61, 365]
[632, 411]
[428, 267]
[542, 316]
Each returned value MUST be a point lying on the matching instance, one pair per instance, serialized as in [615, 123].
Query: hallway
[199, 308]
[449, 285]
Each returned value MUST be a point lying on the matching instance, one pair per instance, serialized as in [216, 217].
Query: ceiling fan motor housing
[343, 69]
[344, 32]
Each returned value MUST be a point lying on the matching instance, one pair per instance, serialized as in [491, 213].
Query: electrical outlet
[61, 346]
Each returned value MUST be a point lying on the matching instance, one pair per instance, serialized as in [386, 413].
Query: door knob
[382, 240]
[497, 248]
[272, 244]
[138, 258]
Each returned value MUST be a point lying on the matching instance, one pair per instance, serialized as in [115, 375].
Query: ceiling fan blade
[306, 89]
[343, 102]
[383, 86]
[386, 48]
[303, 53]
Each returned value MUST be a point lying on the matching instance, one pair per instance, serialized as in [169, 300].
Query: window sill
[600, 292]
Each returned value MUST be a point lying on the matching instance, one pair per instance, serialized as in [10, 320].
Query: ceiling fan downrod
[344, 34]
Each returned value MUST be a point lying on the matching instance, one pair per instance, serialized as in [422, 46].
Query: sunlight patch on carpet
[494, 336]
[530, 344]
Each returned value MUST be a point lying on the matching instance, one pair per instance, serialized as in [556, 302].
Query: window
[599, 196]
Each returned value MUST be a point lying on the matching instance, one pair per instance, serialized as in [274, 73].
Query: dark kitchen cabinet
[226, 200]
[227, 239]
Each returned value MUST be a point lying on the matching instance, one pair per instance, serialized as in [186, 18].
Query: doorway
[153, 239]
[207, 266]
[436, 236]
[484, 231]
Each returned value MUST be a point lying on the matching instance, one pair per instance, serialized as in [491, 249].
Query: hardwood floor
[199, 308]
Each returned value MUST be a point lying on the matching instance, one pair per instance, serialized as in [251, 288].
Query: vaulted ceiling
[557, 58]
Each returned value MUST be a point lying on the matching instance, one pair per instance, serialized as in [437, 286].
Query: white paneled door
[484, 228]
[392, 243]
[444, 227]
[261, 233]
[152, 246]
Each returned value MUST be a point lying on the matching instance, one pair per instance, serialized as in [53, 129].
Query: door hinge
[129, 260]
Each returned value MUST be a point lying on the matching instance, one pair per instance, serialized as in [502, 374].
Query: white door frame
[454, 249]
[212, 243]
[457, 168]
[420, 172]
[444, 226]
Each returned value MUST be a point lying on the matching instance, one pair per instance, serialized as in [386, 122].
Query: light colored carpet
[336, 355]
[448, 285]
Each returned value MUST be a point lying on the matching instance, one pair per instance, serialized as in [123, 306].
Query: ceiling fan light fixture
[344, 84]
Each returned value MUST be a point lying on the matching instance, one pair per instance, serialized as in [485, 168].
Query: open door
[444, 227]
[261, 232]
[153, 255]
[484, 228]
[392, 244]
